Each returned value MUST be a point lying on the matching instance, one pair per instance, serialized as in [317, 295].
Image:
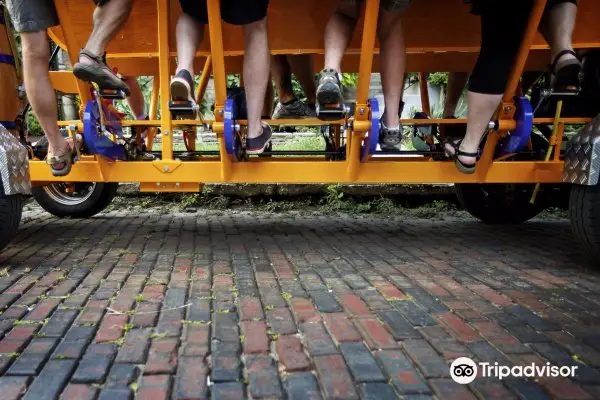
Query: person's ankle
[254, 131]
[59, 147]
[390, 123]
[189, 70]
[336, 69]
[286, 98]
[86, 60]
[558, 57]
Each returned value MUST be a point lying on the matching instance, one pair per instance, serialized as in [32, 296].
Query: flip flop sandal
[66, 160]
[461, 166]
[99, 73]
[567, 77]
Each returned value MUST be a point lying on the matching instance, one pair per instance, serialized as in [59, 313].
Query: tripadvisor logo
[464, 371]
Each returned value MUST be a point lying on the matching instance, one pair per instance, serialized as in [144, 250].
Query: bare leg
[256, 73]
[456, 85]
[269, 99]
[302, 67]
[557, 27]
[282, 76]
[108, 20]
[393, 65]
[481, 110]
[189, 34]
[40, 91]
[338, 34]
[289, 106]
[136, 99]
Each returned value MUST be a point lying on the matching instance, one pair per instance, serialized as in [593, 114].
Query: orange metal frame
[170, 173]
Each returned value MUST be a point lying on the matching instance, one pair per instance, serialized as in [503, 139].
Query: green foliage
[33, 124]
[350, 80]
[438, 79]
[233, 81]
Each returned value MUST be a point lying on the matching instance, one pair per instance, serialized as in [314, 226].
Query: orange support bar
[532, 27]
[355, 139]
[164, 76]
[204, 78]
[367, 50]
[153, 113]
[73, 46]
[506, 109]
[215, 28]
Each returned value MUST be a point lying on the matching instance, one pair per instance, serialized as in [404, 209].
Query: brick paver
[297, 306]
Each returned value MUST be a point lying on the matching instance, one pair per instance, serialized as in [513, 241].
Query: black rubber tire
[500, 203]
[11, 209]
[100, 198]
[584, 214]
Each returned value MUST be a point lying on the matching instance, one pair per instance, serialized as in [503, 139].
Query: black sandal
[462, 167]
[567, 78]
[99, 73]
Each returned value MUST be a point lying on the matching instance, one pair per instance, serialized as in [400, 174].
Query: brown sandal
[99, 73]
[66, 160]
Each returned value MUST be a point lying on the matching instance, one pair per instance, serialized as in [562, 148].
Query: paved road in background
[295, 306]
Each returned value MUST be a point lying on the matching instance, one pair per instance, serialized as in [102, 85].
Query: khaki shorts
[387, 5]
[32, 15]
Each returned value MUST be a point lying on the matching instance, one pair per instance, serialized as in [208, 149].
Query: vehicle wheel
[584, 213]
[11, 208]
[76, 200]
[500, 203]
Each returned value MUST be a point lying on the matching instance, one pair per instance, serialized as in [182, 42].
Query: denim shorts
[32, 15]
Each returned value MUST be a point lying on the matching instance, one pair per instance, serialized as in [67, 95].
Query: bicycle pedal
[184, 109]
[112, 94]
[331, 112]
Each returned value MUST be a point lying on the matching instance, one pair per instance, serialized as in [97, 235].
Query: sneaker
[144, 156]
[294, 109]
[329, 90]
[259, 144]
[182, 86]
[390, 139]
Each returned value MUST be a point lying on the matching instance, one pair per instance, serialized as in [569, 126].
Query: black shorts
[483, 6]
[235, 12]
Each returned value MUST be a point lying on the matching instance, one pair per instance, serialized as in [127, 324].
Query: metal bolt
[166, 169]
[157, 183]
[361, 111]
[507, 108]
[220, 112]
[177, 184]
[166, 133]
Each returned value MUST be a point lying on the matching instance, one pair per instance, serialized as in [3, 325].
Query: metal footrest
[111, 94]
[182, 109]
[332, 112]
[546, 93]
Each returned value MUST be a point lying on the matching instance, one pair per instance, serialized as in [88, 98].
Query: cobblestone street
[296, 305]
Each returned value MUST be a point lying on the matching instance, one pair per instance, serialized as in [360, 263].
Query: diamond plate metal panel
[582, 158]
[14, 164]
